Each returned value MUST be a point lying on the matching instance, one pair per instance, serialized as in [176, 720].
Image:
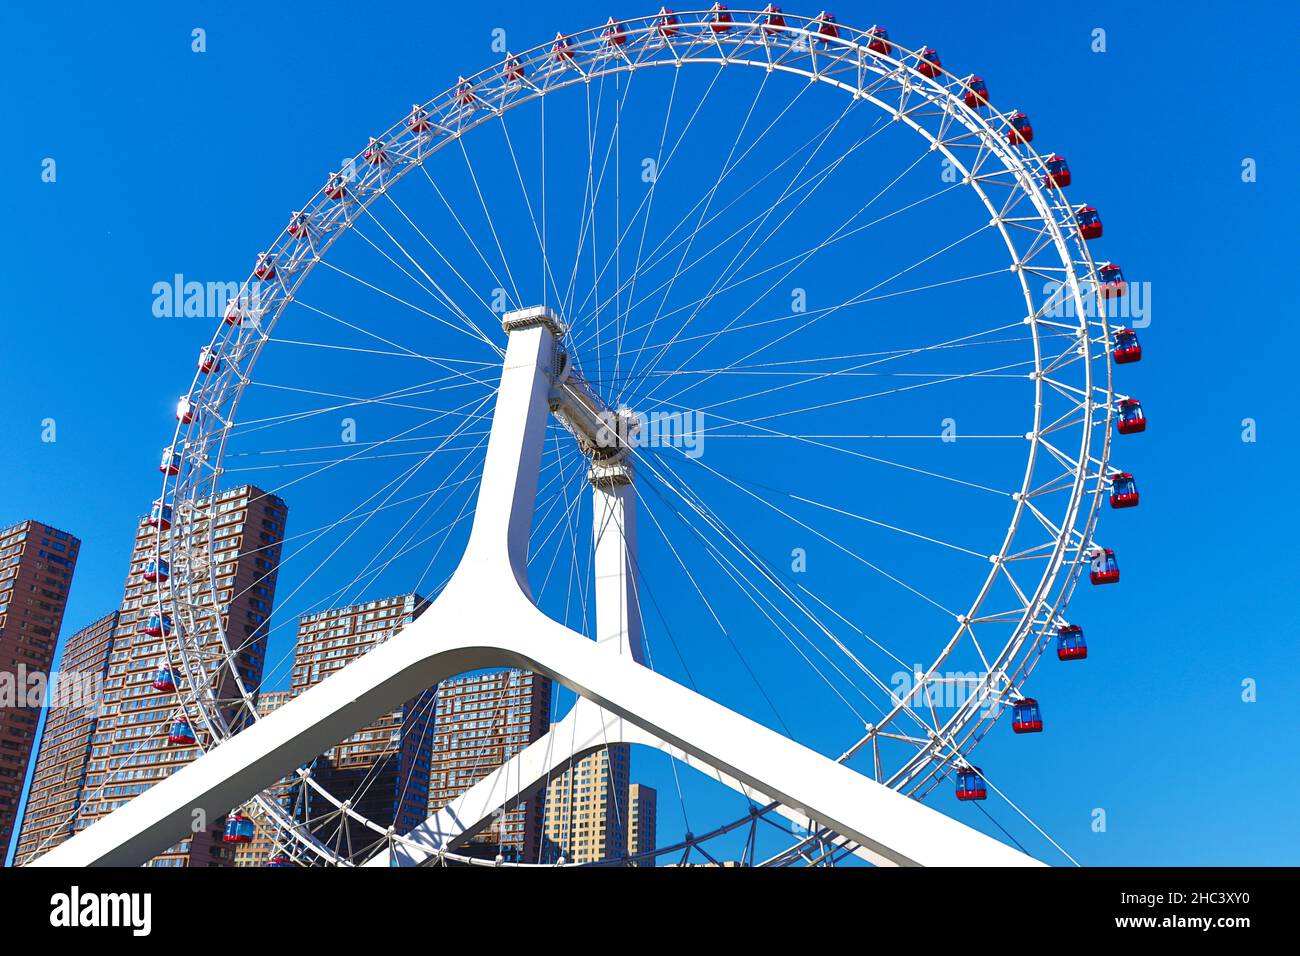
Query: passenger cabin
[1131, 417]
[1123, 490]
[1070, 644]
[970, 784]
[1026, 717]
[1105, 569]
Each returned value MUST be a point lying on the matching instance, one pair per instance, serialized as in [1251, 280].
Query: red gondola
[1123, 490]
[773, 19]
[157, 625]
[1089, 222]
[465, 92]
[1131, 417]
[562, 49]
[185, 410]
[171, 461]
[826, 27]
[1127, 347]
[927, 62]
[1110, 281]
[181, 734]
[164, 682]
[239, 829]
[615, 35]
[720, 19]
[970, 784]
[977, 93]
[376, 153]
[160, 515]
[1058, 172]
[209, 360]
[1070, 645]
[1026, 718]
[265, 268]
[280, 861]
[879, 42]
[234, 314]
[1105, 569]
[336, 187]
[417, 122]
[156, 571]
[513, 70]
[1022, 131]
[666, 23]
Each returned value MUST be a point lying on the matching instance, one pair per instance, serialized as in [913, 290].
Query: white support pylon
[485, 617]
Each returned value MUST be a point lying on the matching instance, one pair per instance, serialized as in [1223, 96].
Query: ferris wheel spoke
[548, 277]
[806, 256]
[451, 266]
[487, 264]
[997, 372]
[447, 363]
[767, 575]
[658, 255]
[717, 182]
[798, 261]
[917, 592]
[569, 307]
[752, 593]
[794, 188]
[400, 301]
[428, 284]
[478, 191]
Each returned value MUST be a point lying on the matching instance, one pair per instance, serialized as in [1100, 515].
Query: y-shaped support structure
[485, 617]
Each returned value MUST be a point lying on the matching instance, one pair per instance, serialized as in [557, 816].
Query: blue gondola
[1070, 644]
[1105, 567]
[1127, 347]
[158, 625]
[1026, 717]
[164, 681]
[1123, 490]
[157, 570]
[181, 734]
[239, 829]
[970, 784]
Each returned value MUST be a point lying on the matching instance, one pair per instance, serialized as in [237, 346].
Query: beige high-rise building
[53, 802]
[484, 719]
[587, 811]
[36, 565]
[130, 750]
[643, 808]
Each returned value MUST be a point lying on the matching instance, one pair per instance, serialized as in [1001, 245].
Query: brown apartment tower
[36, 565]
[484, 719]
[130, 751]
[383, 769]
[54, 802]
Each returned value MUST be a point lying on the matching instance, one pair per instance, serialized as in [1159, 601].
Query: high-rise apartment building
[36, 565]
[484, 719]
[259, 852]
[384, 768]
[643, 808]
[54, 800]
[130, 749]
[587, 813]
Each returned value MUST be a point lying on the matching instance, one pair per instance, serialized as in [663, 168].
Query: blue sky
[172, 162]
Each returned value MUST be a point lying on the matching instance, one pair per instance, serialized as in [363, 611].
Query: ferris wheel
[843, 313]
